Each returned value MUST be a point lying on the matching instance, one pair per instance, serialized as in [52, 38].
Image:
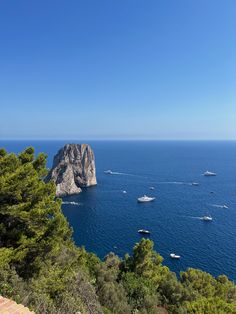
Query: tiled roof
[8, 306]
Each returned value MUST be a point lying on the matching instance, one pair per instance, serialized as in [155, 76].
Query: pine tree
[32, 226]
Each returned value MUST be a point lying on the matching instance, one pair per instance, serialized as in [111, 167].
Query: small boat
[143, 231]
[70, 203]
[209, 174]
[195, 183]
[207, 218]
[151, 188]
[108, 172]
[145, 199]
[174, 256]
[225, 206]
[124, 192]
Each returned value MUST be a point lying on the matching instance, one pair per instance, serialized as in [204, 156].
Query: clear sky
[122, 69]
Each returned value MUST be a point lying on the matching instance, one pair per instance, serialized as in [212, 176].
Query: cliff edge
[73, 168]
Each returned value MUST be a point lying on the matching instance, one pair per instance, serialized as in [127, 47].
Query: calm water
[107, 219]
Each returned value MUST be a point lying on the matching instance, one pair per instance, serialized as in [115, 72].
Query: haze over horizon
[118, 70]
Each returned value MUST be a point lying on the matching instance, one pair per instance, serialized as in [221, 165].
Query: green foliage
[32, 223]
[209, 306]
[141, 292]
[11, 285]
[110, 292]
[42, 268]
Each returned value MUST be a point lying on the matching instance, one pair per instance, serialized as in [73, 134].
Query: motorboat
[108, 172]
[225, 206]
[195, 183]
[124, 192]
[207, 218]
[151, 188]
[209, 174]
[174, 256]
[145, 199]
[70, 203]
[143, 231]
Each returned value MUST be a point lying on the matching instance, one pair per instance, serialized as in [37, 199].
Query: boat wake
[70, 203]
[204, 218]
[194, 217]
[120, 173]
[219, 206]
[123, 174]
[174, 182]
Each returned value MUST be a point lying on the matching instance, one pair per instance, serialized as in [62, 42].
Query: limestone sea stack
[73, 168]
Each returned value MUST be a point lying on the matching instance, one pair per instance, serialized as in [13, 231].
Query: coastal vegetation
[41, 267]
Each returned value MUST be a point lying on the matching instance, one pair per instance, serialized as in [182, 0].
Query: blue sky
[118, 69]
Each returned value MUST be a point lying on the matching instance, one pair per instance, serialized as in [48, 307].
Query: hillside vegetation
[41, 267]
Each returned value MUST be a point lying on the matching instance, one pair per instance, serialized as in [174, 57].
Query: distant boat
[108, 172]
[174, 256]
[220, 206]
[143, 231]
[124, 192]
[207, 218]
[151, 188]
[209, 174]
[195, 183]
[70, 203]
[145, 199]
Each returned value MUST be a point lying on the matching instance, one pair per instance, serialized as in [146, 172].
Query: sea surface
[105, 219]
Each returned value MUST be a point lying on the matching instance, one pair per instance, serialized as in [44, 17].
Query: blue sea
[105, 219]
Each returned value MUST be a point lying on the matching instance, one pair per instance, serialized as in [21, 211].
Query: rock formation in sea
[73, 168]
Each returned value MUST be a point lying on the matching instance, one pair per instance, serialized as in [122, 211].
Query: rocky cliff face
[73, 168]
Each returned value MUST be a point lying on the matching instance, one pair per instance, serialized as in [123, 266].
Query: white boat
[145, 199]
[124, 192]
[225, 206]
[143, 231]
[174, 256]
[207, 218]
[70, 203]
[195, 183]
[151, 188]
[209, 174]
[108, 172]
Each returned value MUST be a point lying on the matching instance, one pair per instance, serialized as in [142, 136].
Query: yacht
[108, 172]
[143, 231]
[207, 218]
[145, 199]
[174, 256]
[209, 174]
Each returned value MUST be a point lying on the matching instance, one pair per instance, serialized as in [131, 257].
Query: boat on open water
[143, 231]
[209, 174]
[207, 218]
[174, 256]
[145, 199]
[108, 172]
